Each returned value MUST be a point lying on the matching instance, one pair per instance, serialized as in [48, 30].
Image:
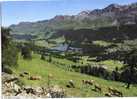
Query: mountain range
[111, 15]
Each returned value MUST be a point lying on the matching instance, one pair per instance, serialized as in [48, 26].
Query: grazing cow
[21, 75]
[35, 78]
[26, 73]
[89, 82]
[110, 90]
[11, 80]
[68, 86]
[71, 83]
[97, 87]
[108, 94]
[115, 92]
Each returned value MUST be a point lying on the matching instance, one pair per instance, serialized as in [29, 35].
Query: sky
[14, 12]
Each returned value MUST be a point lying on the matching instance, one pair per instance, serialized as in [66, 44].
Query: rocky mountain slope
[11, 86]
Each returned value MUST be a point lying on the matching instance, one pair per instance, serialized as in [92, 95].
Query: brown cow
[108, 94]
[34, 78]
[110, 89]
[97, 87]
[115, 92]
[89, 82]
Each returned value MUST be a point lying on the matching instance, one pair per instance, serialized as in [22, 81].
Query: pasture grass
[112, 64]
[36, 66]
[43, 43]
[102, 43]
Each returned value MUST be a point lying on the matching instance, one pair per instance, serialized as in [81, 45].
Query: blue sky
[14, 12]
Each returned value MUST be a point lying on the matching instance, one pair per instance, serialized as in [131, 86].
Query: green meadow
[42, 68]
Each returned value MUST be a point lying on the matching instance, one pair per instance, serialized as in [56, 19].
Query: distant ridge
[108, 16]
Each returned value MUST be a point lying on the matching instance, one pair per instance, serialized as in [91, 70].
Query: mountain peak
[84, 12]
[114, 5]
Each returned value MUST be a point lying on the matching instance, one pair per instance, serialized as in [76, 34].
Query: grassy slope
[61, 77]
[111, 64]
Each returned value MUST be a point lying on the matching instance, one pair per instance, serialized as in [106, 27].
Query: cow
[68, 86]
[26, 73]
[34, 78]
[12, 80]
[110, 89]
[21, 75]
[115, 92]
[108, 94]
[89, 82]
[97, 87]
[71, 83]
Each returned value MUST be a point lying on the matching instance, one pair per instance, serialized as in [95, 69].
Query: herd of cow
[110, 90]
[30, 77]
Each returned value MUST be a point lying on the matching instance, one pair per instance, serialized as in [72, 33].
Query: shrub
[6, 69]
[42, 57]
[26, 52]
[9, 49]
